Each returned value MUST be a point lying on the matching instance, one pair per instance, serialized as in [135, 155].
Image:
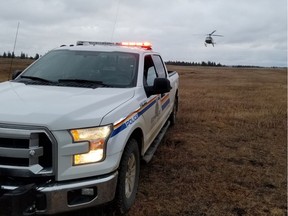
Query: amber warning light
[144, 45]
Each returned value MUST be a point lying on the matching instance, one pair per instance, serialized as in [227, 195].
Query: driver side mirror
[160, 86]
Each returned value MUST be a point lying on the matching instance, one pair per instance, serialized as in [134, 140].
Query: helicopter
[209, 39]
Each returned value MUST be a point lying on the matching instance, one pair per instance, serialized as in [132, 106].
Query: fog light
[81, 196]
[87, 192]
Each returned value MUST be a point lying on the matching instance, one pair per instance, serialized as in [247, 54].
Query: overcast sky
[255, 31]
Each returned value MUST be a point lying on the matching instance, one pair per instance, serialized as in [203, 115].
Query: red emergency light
[144, 45]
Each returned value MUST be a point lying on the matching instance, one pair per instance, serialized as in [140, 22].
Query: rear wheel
[128, 178]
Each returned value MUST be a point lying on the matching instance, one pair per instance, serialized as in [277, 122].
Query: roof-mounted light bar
[144, 45]
[93, 43]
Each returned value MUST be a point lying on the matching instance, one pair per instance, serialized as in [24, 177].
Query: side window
[151, 75]
[159, 66]
[149, 71]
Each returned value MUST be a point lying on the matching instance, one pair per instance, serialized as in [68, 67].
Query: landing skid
[209, 43]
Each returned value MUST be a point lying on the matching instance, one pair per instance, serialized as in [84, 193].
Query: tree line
[180, 63]
[203, 63]
[209, 63]
[21, 56]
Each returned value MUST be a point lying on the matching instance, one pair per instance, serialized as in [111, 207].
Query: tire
[173, 114]
[128, 178]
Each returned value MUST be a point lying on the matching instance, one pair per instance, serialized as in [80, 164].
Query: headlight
[97, 138]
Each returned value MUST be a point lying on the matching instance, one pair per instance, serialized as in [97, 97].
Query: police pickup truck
[75, 125]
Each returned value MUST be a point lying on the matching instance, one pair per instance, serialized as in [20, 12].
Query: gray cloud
[255, 32]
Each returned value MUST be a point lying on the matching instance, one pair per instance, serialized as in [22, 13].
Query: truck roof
[130, 47]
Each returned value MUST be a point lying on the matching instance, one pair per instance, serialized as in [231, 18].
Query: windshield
[115, 69]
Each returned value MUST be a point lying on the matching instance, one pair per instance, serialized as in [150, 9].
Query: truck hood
[58, 108]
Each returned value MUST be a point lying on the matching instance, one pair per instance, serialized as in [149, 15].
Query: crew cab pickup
[76, 123]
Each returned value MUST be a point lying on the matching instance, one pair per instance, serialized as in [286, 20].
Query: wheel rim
[130, 176]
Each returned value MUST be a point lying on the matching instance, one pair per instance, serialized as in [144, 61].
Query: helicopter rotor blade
[212, 32]
[219, 35]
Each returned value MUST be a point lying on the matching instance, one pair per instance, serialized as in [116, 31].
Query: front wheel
[128, 178]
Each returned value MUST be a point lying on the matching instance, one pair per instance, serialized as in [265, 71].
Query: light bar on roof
[144, 45]
[85, 43]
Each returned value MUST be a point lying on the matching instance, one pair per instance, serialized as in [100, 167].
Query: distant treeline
[180, 63]
[184, 63]
[248, 66]
[209, 63]
[22, 55]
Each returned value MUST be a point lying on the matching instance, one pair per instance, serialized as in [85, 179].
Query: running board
[153, 147]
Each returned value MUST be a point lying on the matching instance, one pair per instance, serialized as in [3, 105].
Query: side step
[153, 147]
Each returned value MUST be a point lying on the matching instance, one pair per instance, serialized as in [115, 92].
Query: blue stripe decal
[165, 104]
[119, 129]
[132, 119]
[146, 108]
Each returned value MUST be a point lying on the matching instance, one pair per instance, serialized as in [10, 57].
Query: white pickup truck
[75, 125]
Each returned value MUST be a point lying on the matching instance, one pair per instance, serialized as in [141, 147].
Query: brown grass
[227, 154]
[6, 69]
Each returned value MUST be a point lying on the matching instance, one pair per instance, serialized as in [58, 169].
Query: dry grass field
[6, 67]
[227, 154]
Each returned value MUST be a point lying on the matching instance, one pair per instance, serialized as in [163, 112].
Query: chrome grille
[25, 152]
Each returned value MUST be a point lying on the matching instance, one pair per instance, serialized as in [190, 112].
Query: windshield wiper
[80, 81]
[83, 82]
[37, 79]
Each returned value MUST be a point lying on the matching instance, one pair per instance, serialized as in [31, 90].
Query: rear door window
[159, 66]
[149, 71]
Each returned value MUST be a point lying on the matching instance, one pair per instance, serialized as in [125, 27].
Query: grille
[25, 152]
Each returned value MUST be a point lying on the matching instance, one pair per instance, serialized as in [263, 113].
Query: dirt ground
[227, 153]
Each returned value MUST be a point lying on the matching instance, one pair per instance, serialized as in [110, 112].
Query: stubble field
[227, 154]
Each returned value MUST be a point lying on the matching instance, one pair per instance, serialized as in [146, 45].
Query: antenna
[13, 52]
[116, 17]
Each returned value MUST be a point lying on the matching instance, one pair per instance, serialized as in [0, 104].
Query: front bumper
[57, 197]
